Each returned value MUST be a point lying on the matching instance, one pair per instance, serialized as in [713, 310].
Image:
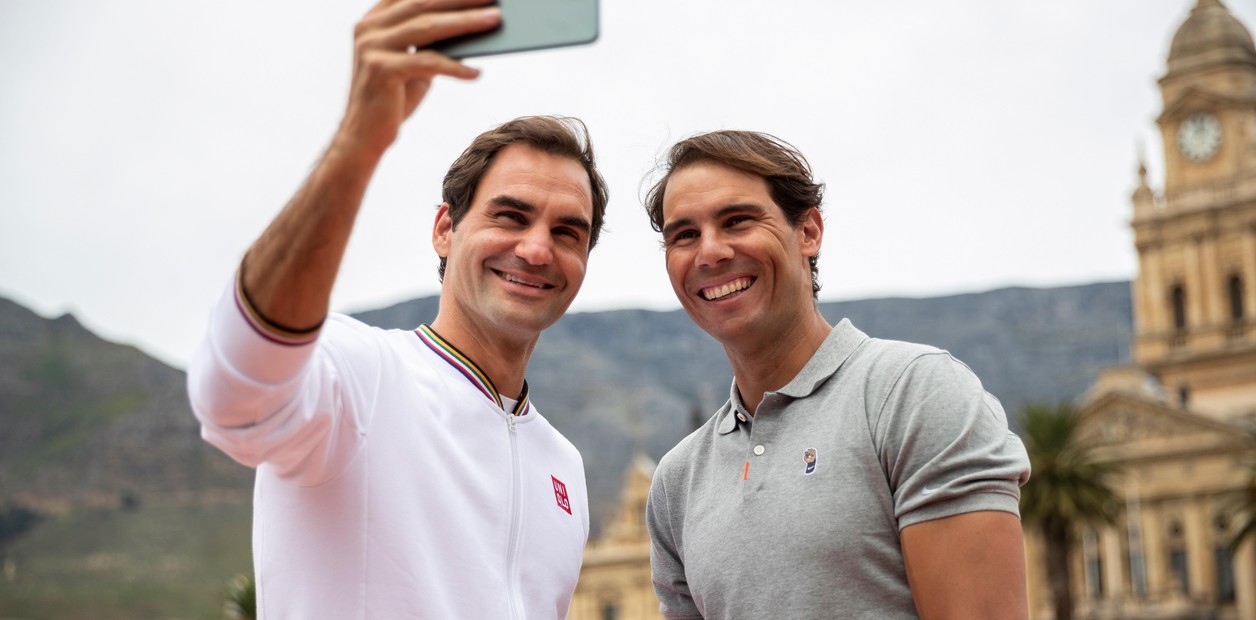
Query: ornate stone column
[1196, 310]
[1154, 554]
[1201, 571]
[1249, 277]
[1114, 565]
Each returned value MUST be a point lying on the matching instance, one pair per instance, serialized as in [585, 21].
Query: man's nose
[713, 248]
[536, 247]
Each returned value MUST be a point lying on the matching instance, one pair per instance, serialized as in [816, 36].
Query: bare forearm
[290, 270]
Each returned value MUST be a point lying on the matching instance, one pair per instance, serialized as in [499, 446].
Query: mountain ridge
[1025, 344]
[81, 416]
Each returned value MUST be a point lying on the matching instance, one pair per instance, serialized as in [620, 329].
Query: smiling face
[518, 256]
[738, 266]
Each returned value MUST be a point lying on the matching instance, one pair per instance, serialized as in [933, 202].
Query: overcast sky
[967, 145]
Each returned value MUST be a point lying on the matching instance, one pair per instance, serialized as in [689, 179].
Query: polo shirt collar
[833, 352]
[728, 423]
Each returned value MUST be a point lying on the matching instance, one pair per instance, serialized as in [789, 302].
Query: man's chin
[525, 320]
[719, 329]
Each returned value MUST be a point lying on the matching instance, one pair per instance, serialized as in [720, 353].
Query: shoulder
[354, 338]
[903, 377]
[338, 323]
[890, 364]
[887, 355]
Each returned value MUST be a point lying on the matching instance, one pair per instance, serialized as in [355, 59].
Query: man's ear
[442, 231]
[811, 232]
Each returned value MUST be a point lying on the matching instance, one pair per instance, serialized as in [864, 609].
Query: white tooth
[517, 280]
[727, 289]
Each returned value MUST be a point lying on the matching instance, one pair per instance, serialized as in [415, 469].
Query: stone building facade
[1178, 421]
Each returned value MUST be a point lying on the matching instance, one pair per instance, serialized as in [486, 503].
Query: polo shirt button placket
[754, 475]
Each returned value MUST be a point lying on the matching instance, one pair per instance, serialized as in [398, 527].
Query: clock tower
[1195, 294]
[1209, 121]
[1179, 422]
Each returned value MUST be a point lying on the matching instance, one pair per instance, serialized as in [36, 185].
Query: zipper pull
[511, 420]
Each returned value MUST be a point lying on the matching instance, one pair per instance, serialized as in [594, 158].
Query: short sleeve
[945, 443]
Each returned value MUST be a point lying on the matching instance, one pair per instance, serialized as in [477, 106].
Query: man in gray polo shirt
[846, 477]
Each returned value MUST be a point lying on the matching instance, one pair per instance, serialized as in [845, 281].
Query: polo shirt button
[741, 416]
[758, 450]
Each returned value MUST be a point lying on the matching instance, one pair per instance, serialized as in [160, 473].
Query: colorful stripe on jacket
[469, 369]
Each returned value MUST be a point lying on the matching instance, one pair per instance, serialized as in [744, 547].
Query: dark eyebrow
[671, 226]
[510, 202]
[723, 212]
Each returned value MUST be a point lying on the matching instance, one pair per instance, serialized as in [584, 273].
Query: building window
[1138, 568]
[1177, 558]
[1177, 565]
[1177, 296]
[1235, 287]
[1223, 559]
[610, 611]
[1225, 574]
[1094, 565]
[1138, 575]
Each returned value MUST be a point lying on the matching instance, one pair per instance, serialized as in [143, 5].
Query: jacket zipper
[512, 550]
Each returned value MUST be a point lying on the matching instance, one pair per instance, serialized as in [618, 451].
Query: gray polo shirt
[796, 512]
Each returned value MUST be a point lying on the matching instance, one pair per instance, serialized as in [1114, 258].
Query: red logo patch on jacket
[560, 495]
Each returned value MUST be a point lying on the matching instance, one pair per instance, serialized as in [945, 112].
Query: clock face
[1199, 136]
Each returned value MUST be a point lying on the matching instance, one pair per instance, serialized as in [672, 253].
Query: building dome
[1210, 36]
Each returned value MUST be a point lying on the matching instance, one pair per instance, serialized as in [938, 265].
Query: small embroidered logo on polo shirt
[809, 456]
[560, 495]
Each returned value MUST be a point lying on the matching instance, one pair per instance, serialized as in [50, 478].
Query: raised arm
[288, 273]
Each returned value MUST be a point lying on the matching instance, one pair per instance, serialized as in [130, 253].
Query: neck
[769, 364]
[502, 358]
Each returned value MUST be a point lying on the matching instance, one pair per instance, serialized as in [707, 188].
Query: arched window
[1235, 286]
[1177, 296]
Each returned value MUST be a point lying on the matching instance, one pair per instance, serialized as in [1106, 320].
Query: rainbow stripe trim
[464, 365]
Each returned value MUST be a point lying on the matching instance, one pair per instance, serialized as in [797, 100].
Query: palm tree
[1067, 487]
[241, 598]
[1245, 508]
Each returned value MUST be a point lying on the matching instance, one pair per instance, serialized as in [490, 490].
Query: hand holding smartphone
[529, 25]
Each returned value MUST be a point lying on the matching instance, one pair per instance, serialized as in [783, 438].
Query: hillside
[86, 418]
[143, 519]
[626, 380]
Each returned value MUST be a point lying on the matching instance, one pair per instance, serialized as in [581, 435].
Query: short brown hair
[557, 135]
[786, 171]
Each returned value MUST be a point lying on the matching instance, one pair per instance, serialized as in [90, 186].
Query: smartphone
[529, 25]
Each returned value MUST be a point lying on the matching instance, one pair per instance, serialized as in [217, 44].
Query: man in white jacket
[406, 474]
